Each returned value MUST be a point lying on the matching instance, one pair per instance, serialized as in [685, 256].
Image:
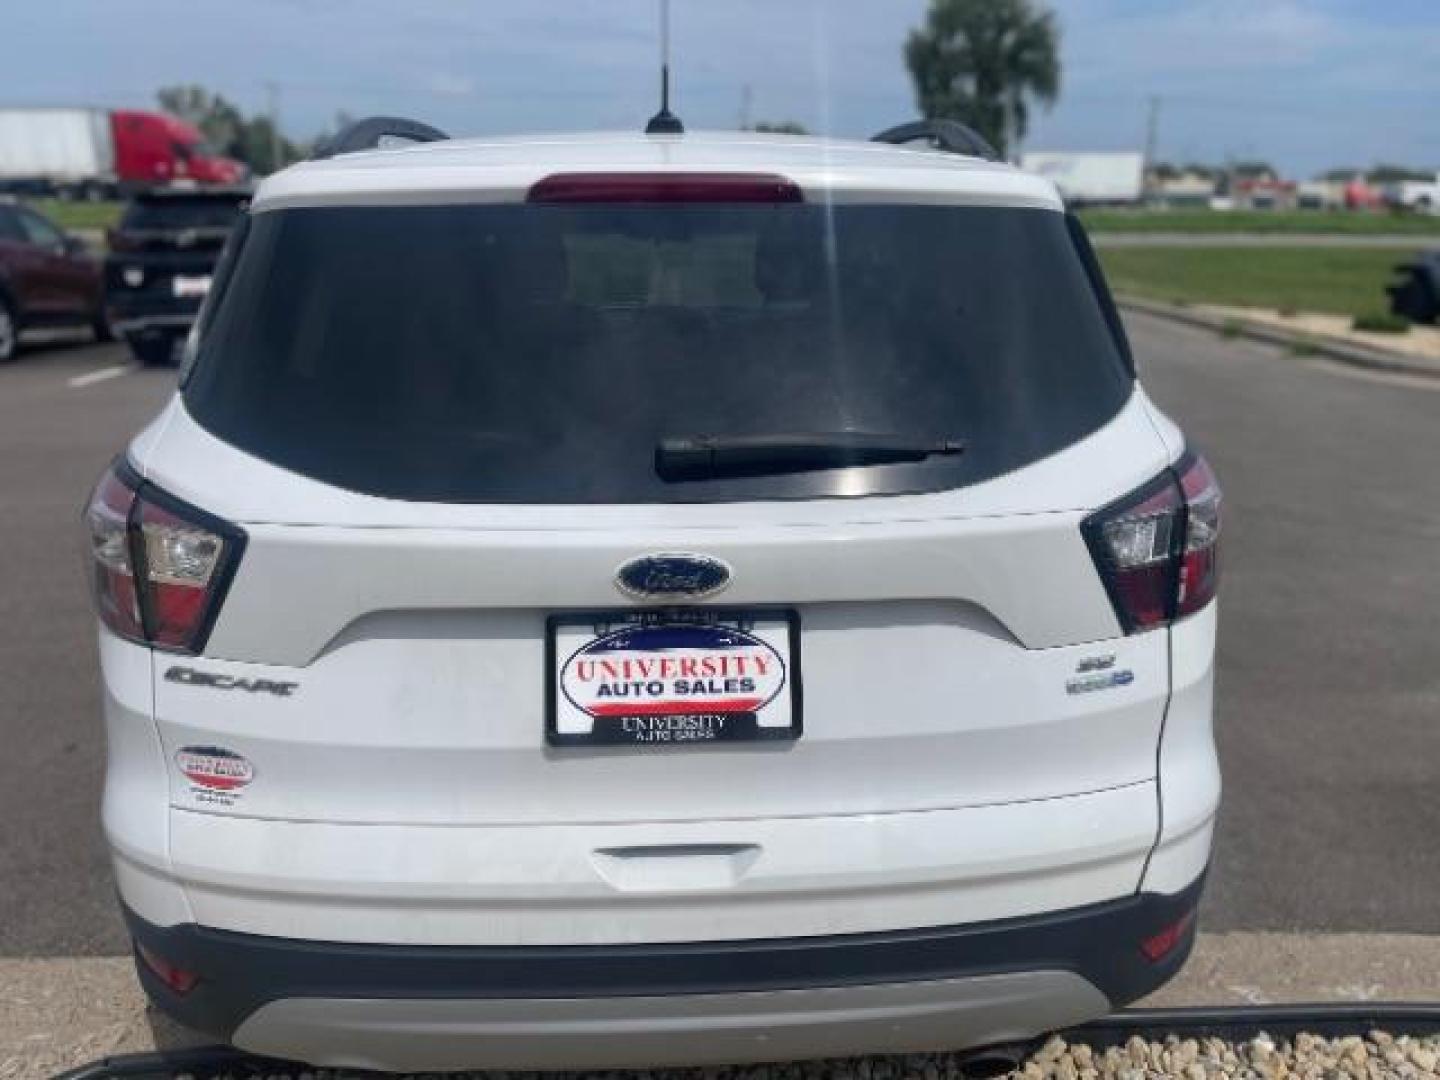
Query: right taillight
[159, 567]
[1157, 548]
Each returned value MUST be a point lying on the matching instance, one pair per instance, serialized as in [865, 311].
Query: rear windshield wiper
[702, 457]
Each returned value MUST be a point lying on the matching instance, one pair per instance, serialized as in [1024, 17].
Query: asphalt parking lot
[1329, 686]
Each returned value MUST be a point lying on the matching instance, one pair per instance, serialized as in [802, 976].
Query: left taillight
[158, 567]
[111, 562]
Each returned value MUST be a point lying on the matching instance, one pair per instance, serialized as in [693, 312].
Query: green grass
[1381, 322]
[1314, 222]
[1341, 281]
[79, 215]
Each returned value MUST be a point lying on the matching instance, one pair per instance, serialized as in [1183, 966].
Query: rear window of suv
[539, 354]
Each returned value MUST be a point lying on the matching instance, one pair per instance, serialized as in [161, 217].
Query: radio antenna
[664, 122]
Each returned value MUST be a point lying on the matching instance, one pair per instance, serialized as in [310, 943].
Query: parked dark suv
[1415, 294]
[162, 255]
[47, 278]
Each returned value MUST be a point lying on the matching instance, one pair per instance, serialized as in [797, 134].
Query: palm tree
[983, 62]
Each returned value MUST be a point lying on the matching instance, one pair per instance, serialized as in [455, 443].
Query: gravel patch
[1306, 1057]
[1377, 1056]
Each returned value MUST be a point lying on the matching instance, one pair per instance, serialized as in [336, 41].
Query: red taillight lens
[1200, 558]
[112, 570]
[1158, 946]
[181, 560]
[642, 187]
[159, 566]
[1157, 549]
[176, 978]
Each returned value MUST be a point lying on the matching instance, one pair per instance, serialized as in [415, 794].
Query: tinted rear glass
[540, 353]
[180, 212]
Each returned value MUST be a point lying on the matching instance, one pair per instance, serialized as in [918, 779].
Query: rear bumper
[442, 1007]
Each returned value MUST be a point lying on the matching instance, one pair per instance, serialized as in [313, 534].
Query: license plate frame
[731, 726]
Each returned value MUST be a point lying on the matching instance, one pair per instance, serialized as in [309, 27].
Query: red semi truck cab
[155, 148]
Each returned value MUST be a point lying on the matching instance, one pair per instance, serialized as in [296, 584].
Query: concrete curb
[1343, 351]
[1374, 241]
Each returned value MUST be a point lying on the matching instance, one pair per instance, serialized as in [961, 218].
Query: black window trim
[1096, 275]
[219, 281]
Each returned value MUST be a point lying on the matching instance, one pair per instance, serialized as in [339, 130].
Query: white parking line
[92, 377]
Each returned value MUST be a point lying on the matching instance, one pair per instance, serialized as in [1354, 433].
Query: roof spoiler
[372, 132]
[948, 135]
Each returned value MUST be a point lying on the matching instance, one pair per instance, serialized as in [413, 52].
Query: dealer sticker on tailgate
[670, 678]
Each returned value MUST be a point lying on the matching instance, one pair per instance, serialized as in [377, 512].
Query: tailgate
[941, 641]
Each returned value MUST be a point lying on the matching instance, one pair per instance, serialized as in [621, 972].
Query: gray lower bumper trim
[686, 1029]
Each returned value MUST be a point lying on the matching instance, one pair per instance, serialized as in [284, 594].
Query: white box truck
[1091, 178]
[99, 153]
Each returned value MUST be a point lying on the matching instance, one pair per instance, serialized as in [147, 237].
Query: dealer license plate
[673, 678]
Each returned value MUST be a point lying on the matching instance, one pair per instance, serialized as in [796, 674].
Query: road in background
[1328, 695]
[1328, 688]
[56, 898]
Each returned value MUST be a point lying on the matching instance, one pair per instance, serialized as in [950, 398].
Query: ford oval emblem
[672, 577]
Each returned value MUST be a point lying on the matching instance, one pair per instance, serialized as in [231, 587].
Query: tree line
[1382, 173]
[253, 139]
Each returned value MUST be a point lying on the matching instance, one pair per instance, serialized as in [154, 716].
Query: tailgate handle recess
[675, 867]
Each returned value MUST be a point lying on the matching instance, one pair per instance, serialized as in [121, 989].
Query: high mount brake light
[159, 568]
[662, 187]
[1157, 548]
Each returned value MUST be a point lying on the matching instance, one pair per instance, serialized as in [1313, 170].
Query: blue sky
[1306, 84]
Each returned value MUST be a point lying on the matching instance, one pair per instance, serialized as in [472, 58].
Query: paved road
[55, 892]
[1329, 696]
[1265, 240]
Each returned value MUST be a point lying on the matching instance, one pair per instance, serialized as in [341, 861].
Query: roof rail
[948, 135]
[370, 133]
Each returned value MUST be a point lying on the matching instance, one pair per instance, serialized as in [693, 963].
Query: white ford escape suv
[653, 599]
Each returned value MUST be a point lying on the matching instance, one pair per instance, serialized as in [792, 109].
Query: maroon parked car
[47, 278]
